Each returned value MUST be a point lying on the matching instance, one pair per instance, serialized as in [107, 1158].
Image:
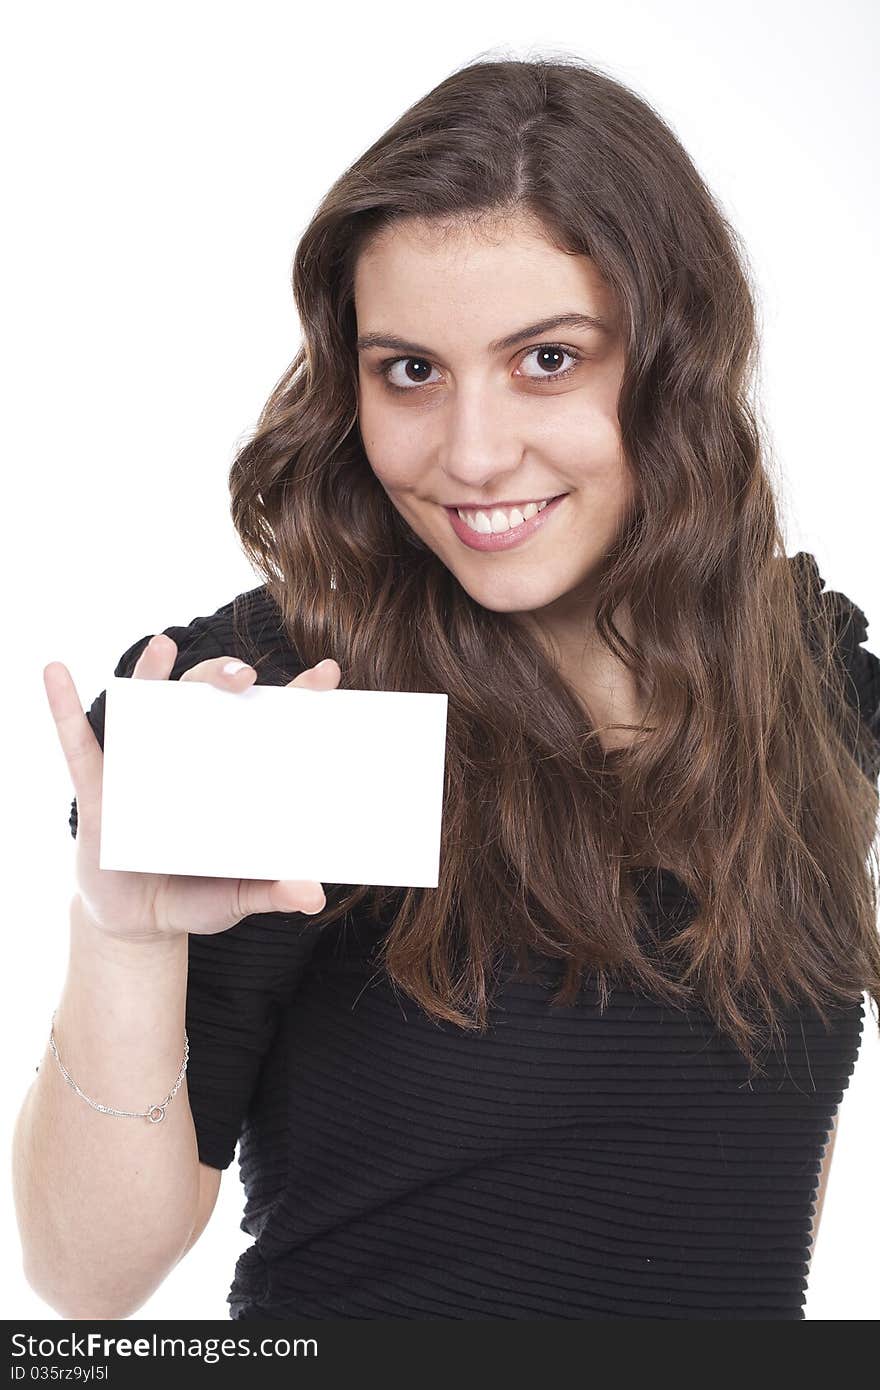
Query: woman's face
[485, 414]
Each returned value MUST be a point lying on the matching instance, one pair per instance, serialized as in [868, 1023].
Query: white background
[159, 166]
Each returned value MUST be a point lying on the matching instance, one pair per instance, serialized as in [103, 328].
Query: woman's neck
[609, 692]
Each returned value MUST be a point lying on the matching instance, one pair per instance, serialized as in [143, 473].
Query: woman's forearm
[105, 1204]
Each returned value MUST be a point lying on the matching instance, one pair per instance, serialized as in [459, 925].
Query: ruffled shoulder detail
[850, 625]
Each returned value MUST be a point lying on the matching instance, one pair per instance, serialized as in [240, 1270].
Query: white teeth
[497, 520]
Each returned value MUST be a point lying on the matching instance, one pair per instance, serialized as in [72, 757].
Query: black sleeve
[238, 979]
[861, 666]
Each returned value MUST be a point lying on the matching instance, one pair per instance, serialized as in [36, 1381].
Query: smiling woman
[549, 501]
[594, 1072]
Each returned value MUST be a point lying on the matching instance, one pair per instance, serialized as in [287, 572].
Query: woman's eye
[549, 361]
[549, 357]
[387, 368]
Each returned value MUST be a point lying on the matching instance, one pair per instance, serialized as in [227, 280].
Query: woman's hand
[139, 906]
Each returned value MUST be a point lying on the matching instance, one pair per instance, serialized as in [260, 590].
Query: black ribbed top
[566, 1164]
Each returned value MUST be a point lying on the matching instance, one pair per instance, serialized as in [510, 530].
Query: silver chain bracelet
[154, 1114]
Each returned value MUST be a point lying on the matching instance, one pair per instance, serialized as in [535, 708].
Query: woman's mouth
[502, 528]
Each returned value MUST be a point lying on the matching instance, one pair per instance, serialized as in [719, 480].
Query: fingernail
[325, 662]
[233, 667]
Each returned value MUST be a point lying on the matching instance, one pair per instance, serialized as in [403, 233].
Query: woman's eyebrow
[590, 322]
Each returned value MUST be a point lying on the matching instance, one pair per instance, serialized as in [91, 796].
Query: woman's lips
[502, 540]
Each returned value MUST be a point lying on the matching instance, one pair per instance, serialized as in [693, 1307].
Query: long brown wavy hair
[748, 780]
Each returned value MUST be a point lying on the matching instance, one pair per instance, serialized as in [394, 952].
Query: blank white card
[338, 786]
